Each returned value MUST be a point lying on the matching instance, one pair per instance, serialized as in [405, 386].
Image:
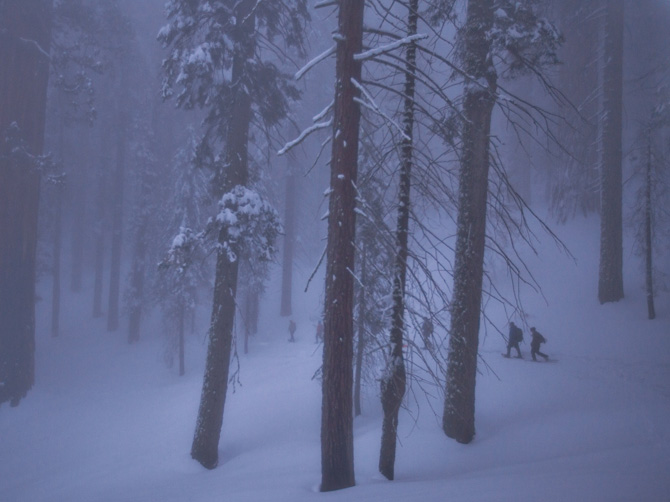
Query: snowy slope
[109, 422]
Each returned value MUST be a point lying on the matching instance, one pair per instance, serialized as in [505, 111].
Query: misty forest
[259, 250]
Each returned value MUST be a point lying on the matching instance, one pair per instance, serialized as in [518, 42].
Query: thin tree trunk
[289, 239]
[100, 235]
[25, 36]
[337, 437]
[117, 221]
[394, 380]
[459, 407]
[651, 311]
[215, 385]
[182, 315]
[56, 269]
[78, 189]
[138, 272]
[610, 280]
[360, 347]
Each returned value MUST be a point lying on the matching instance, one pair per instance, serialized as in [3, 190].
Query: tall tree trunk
[360, 346]
[100, 233]
[337, 436]
[394, 380]
[289, 239]
[610, 280]
[180, 334]
[117, 219]
[78, 189]
[649, 269]
[25, 36]
[137, 285]
[459, 407]
[215, 385]
[56, 286]
[138, 271]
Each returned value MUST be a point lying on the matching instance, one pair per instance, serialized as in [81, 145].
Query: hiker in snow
[319, 331]
[291, 330]
[427, 333]
[535, 343]
[515, 337]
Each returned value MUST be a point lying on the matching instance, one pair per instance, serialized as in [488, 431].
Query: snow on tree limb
[316, 127]
[311, 64]
[377, 51]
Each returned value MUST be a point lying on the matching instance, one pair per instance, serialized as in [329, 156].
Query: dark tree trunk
[117, 222]
[649, 269]
[215, 385]
[394, 380]
[25, 36]
[459, 407]
[360, 346]
[337, 437]
[289, 239]
[610, 281]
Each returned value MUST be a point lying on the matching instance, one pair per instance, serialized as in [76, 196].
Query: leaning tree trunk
[337, 435]
[25, 36]
[205, 447]
[394, 380]
[459, 406]
[649, 269]
[289, 240]
[610, 280]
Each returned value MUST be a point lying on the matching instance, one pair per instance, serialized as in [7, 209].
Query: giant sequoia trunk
[337, 435]
[205, 447]
[394, 380]
[25, 36]
[459, 407]
[610, 280]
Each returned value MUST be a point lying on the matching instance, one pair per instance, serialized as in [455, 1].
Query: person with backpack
[535, 343]
[514, 339]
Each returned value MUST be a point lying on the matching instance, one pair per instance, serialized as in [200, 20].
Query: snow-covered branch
[377, 51]
[304, 134]
[329, 52]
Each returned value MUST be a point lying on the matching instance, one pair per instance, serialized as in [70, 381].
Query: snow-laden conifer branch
[383, 49]
[311, 64]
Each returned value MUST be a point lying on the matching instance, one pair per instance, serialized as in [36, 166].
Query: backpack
[517, 334]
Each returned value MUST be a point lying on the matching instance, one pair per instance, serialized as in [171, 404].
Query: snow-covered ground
[110, 422]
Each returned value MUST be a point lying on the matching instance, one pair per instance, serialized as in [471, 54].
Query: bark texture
[337, 439]
[394, 380]
[215, 385]
[25, 36]
[610, 280]
[459, 407]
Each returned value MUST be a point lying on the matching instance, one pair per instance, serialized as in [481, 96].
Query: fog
[169, 190]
